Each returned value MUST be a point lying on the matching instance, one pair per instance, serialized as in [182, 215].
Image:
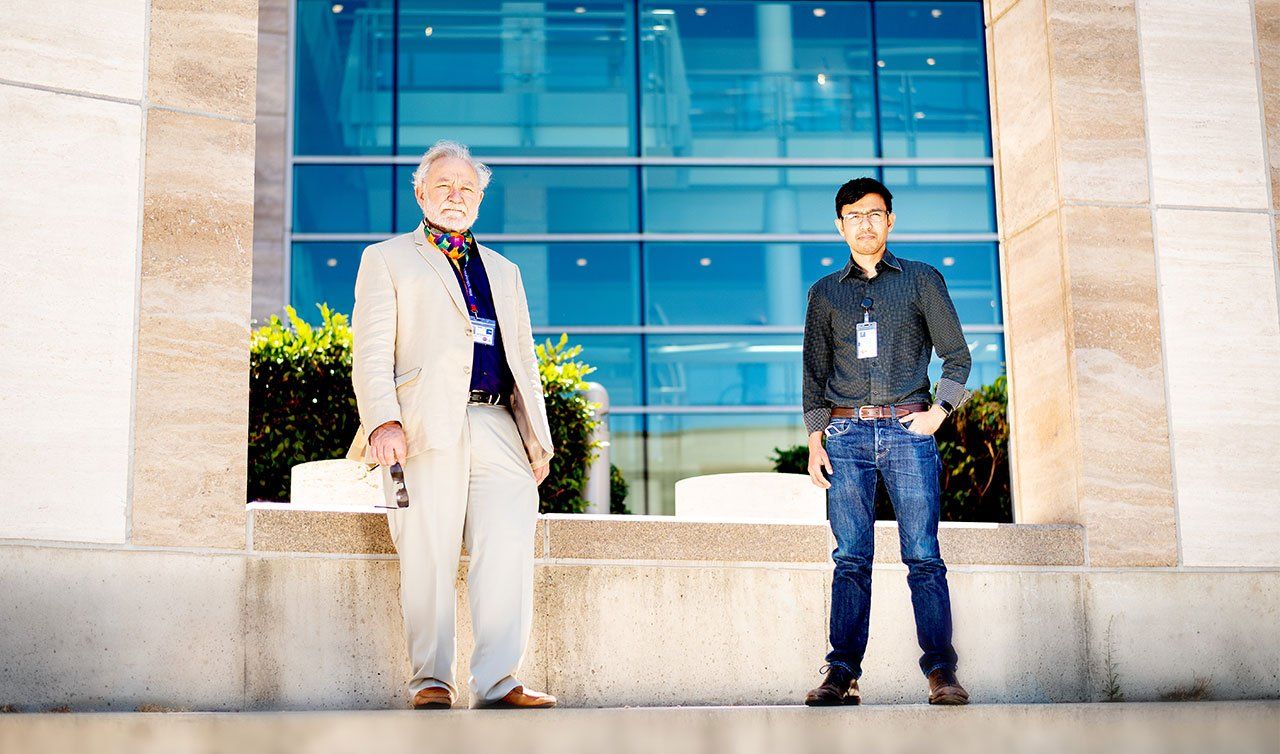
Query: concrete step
[1190, 728]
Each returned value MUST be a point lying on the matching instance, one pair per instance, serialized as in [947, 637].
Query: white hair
[446, 148]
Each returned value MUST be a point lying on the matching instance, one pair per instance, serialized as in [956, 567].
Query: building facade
[664, 176]
[1136, 174]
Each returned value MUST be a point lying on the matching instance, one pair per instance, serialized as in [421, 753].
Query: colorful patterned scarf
[455, 245]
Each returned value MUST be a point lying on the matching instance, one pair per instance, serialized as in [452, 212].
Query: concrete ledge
[1238, 728]
[283, 527]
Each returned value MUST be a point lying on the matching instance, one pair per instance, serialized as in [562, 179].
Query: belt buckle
[864, 417]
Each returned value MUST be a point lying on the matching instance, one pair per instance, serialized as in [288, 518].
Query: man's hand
[387, 444]
[924, 422]
[818, 461]
[540, 472]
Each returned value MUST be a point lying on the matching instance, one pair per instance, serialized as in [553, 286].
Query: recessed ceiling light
[936, 13]
[582, 262]
[429, 31]
[579, 9]
[700, 11]
[331, 262]
[705, 261]
[930, 61]
[948, 261]
[659, 27]
[819, 12]
[919, 116]
[337, 8]
[828, 261]
[880, 64]
[822, 79]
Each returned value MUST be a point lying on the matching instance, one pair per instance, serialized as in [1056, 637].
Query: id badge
[867, 343]
[483, 330]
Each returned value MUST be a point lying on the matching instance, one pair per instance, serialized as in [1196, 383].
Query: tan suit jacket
[412, 347]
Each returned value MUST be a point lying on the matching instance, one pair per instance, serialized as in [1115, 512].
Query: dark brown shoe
[522, 698]
[945, 689]
[839, 688]
[433, 698]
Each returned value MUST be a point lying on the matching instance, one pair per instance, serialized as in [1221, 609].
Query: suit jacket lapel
[436, 259]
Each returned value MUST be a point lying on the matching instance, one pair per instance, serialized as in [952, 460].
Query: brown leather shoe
[433, 698]
[945, 689]
[839, 687]
[522, 698]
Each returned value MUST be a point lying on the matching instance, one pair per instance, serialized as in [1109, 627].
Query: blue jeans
[909, 464]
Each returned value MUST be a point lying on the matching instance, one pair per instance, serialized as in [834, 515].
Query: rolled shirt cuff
[952, 392]
[817, 419]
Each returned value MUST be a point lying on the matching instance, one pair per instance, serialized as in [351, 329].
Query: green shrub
[572, 420]
[302, 408]
[618, 489]
[974, 446]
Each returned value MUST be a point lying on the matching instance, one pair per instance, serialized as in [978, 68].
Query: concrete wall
[628, 612]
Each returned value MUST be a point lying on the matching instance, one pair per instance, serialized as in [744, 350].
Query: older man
[447, 385]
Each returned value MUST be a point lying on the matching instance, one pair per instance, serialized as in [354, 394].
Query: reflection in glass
[724, 370]
[757, 79]
[323, 273]
[933, 79]
[626, 451]
[687, 445]
[342, 199]
[517, 78]
[972, 272]
[942, 200]
[343, 77]
[579, 284]
[544, 199]
[616, 359]
[744, 199]
[987, 350]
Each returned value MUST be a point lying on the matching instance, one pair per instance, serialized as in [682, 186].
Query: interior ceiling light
[337, 8]
[428, 31]
[819, 12]
[700, 11]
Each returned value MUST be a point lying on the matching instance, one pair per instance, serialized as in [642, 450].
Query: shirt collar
[888, 261]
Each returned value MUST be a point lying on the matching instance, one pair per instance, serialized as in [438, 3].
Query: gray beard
[442, 225]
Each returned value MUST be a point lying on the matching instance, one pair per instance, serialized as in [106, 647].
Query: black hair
[854, 190]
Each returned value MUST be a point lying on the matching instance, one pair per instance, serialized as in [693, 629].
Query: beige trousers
[481, 491]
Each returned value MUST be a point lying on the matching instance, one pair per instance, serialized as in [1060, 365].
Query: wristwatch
[945, 407]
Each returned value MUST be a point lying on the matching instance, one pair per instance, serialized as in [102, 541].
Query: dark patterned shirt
[914, 315]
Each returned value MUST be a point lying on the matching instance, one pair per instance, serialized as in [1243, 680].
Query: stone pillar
[126, 151]
[270, 245]
[1124, 128]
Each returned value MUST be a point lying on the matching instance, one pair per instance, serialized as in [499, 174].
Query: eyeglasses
[402, 492]
[876, 216]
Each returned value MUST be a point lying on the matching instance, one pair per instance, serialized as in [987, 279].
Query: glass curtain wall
[664, 175]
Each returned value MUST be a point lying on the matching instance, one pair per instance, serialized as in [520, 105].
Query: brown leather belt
[877, 412]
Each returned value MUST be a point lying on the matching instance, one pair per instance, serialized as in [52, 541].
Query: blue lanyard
[471, 295]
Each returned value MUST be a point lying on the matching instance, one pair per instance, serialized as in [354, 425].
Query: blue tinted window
[933, 79]
[617, 361]
[724, 370]
[743, 199]
[987, 350]
[579, 284]
[972, 272]
[757, 79]
[540, 199]
[343, 77]
[517, 78]
[734, 283]
[942, 200]
[324, 273]
[686, 445]
[342, 199]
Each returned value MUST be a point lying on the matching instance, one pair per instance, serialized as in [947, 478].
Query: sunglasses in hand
[397, 482]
